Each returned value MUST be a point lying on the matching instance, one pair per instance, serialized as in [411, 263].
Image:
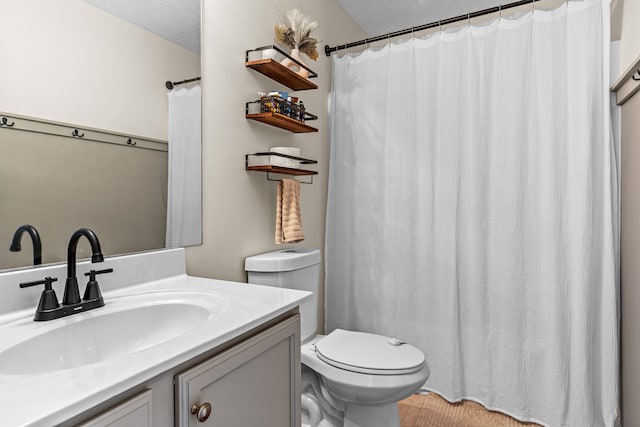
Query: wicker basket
[276, 104]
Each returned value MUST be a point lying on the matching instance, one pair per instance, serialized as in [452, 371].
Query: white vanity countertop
[46, 399]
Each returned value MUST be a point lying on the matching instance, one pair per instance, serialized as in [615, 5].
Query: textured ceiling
[179, 20]
[377, 17]
[174, 20]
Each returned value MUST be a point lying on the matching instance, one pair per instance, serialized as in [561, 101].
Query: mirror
[76, 66]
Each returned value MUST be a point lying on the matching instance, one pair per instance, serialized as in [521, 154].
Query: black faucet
[71, 291]
[49, 308]
[35, 239]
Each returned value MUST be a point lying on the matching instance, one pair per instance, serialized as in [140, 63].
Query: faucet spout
[35, 239]
[71, 290]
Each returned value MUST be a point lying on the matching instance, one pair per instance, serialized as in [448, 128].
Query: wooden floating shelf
[282, 121]
[281, 74]
[280, 169]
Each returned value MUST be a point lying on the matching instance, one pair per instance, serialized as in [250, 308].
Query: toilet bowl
[318, 407]
[368, 397]
[349, 378]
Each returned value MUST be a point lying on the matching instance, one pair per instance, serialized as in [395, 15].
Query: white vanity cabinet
[252, 380]
[136, 411]
[255, 383]
[189, 340]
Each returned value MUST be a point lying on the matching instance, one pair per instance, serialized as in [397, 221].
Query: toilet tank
[292, 269]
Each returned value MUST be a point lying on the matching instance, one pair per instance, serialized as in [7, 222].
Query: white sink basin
[126, 325]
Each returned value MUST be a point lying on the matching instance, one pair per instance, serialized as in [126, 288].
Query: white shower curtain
[471, 210]
[184, 200]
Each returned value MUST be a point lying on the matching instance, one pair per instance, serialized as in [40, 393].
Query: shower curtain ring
[468, 19]
[499, 11]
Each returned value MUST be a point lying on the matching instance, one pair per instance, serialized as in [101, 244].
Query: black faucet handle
[93, 273]
[48, 299]
[47, 281]
[92, 290]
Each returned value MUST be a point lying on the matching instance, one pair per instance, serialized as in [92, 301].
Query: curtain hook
[468, 19]
[499, 11]
[366, 43]
[413, 36]
[439, 26]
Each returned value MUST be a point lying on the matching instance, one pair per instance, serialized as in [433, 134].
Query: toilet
[350, 379]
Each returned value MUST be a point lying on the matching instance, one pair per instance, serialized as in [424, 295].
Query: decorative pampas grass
[295, 32]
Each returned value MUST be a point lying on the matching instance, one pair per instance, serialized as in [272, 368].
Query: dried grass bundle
[295, 32]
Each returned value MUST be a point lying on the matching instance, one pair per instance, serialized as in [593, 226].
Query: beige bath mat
[433, 411]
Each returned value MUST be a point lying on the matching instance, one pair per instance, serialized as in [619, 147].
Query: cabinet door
[255, 383]
[135, 412]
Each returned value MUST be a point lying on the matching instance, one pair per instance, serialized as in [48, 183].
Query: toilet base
[372, 416]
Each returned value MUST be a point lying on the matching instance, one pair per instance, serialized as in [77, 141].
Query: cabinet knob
[201, 411]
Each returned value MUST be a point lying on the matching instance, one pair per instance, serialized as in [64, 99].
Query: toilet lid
[369, 353]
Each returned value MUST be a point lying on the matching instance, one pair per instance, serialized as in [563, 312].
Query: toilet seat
[369, 353]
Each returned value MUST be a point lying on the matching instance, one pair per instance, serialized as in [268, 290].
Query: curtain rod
[169, 85]
[328, 50]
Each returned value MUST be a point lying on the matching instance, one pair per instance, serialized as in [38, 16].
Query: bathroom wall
[71, 62]
[617, 7]
[625, 16]
[624, 26]
[239, 206]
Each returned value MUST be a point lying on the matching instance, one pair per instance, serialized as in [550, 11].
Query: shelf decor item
[295, 33]
[263, 110]
[272, 67]
[262, 162]
[276, 104]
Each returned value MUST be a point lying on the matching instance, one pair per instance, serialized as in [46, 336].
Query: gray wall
[630, 265]
[239, 206]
